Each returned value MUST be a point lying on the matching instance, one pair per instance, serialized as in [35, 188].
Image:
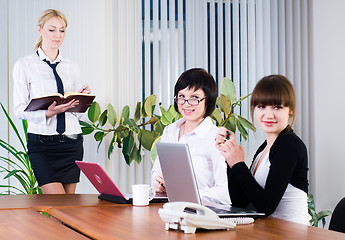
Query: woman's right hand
[160, 185]
[54, 109]
[228, 147]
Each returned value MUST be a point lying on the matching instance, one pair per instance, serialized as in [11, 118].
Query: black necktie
[60, 128]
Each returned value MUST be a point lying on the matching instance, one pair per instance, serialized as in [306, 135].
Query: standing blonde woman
[54, 135]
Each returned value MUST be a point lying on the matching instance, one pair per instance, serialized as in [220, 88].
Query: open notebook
[105, 186]
[180, 181]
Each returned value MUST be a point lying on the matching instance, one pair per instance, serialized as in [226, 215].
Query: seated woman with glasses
[195, 98]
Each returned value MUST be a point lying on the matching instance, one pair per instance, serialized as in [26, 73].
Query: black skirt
[53, 158]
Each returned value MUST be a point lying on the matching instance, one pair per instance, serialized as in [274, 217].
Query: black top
[289, 164]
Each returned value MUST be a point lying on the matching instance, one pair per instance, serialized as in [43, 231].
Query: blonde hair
[45, 16]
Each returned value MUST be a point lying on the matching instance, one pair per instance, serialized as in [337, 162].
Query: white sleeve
[219, 192]
[21, 96]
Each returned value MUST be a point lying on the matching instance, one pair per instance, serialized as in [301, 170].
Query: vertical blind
[241, 40]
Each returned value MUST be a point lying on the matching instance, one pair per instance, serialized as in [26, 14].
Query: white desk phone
[187, 216]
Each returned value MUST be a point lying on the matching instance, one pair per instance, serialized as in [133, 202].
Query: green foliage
[145, 128]
[20, 167]
[130, 134]
[316, 217]
[226, 103]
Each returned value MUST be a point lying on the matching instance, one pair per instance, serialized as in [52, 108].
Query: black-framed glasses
[191, 101]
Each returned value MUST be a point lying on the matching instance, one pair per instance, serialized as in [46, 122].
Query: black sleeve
[284, 155]
[238, 197]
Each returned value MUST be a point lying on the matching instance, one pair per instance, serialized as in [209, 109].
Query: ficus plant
[145, 128]
[130, 134]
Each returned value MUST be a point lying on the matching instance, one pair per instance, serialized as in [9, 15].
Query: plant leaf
[128, 145]
[227, 88]
[131, 124]
[99, 144]
[25, 128]
[217, 116]
[122, 131]
[220, 104]
[103, 118]
[172, 110]
[159, 128]
[112, 145]
[153, 152]
[147, 138]
[135, 154]
[112, 117]
[137, 112]
[87, 130]
[85, 124]
[124, 114]
[245, 123]
[323, 214]
[230, 123]
[241, 129]
[14, 128]
[152, 120]
[94, 112]
[99, 136]
[167, 117]
[226, 104]
[149, 105]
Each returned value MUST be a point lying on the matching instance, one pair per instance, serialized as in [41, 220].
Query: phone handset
[187, 216]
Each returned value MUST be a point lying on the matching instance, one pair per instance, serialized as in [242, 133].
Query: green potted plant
[316, 217]
[131, 134]
[19, 167]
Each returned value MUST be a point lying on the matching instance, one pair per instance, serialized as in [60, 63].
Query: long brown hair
[45, 16]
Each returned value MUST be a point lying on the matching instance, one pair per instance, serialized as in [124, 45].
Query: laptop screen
[178, 172]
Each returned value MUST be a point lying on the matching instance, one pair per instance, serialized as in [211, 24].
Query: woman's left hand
[85, 89]
[231, 151]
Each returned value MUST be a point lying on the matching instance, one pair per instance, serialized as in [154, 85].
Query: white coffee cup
[142, 194]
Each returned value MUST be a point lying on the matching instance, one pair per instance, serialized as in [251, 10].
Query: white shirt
[34, 78]
[209, 165]
[293, 206]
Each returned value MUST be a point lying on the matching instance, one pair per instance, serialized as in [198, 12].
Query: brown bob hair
[274, 90]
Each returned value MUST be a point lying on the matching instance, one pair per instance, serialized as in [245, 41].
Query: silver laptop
[180, 181]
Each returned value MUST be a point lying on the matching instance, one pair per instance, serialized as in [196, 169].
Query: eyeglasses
[191, 101]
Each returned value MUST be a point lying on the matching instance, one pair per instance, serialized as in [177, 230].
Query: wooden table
[86, 215]
[42, 202]
[128, 222]
[29, 224]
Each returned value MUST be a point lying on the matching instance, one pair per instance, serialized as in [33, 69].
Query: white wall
[328, 169]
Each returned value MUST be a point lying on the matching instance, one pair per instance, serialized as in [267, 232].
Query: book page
[75, 94]
[51, 95]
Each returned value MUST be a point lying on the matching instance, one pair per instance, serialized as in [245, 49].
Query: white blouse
[34, 78]
[209, 165]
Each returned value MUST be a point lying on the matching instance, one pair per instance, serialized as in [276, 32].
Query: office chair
[337, 222]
